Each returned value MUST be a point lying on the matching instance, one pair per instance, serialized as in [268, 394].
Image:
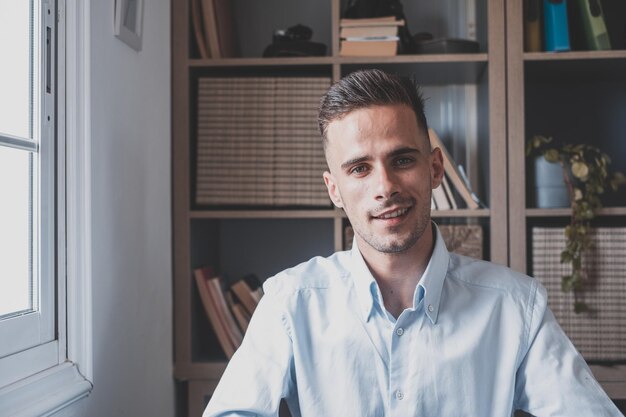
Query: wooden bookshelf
[585, 87]
[473, 86]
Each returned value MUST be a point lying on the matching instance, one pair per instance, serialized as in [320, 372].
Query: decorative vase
[550, 188]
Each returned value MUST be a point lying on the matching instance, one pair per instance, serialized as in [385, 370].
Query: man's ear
[436, 167]
[333, 191]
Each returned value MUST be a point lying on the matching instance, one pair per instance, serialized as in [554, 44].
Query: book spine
[556, 29]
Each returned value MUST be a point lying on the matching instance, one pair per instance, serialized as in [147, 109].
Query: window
[27, 176]
[40, 345]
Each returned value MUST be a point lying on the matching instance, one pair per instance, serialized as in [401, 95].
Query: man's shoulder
[317, 273]
[490, 275]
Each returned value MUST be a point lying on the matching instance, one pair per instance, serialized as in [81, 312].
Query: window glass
[19, 75]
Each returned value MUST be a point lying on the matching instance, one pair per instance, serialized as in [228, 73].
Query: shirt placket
[402, 397]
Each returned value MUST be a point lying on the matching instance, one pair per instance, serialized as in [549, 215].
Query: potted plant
[586, 176]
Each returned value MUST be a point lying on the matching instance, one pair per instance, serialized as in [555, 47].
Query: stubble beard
[397, 245]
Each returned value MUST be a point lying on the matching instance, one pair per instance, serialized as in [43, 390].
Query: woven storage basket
[599, 334]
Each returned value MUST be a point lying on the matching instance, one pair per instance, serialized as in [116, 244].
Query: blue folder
[555, 25]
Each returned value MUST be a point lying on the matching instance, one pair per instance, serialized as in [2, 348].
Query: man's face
[382, 173]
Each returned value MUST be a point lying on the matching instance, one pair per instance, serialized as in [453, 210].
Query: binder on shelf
[452, 171]
[594, 25]
[556, 28]
[532, 25]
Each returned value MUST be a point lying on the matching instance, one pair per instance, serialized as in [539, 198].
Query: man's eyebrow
[354, 161]
[403, 151]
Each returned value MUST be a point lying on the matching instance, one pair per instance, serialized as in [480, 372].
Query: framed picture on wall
[129, 21]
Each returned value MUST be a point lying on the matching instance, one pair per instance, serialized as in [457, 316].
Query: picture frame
[128, 22]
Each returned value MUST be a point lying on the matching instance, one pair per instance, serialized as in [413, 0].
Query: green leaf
[551, 155]
[580, 170]
[567, 283]
[580, 307]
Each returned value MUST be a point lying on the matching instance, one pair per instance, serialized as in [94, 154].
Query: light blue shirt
[478, 341]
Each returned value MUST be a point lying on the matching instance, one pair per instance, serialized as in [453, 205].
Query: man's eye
[359, 169]
[404, 161]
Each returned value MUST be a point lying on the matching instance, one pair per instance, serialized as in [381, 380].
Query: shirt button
[431, 308]
[399, 395]
[399, 331]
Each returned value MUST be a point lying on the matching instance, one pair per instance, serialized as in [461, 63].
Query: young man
[398, 326]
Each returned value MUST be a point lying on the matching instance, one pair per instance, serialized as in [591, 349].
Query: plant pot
[550, 188]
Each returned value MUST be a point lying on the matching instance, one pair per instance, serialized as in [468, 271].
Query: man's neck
[397, 274]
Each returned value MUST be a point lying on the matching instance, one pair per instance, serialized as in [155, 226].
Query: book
[452, 171]
[246, 295]
[532, 25]
[373, 21]
[368, 31]
[210, 28]
[226, 32]
[449, 194]
[441, 200]
[556, 28]
[594, 26]
[369, 48]
[225, 316]
[202, 275]
[196, 20]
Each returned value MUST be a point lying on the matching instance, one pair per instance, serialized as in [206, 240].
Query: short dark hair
[367, 88]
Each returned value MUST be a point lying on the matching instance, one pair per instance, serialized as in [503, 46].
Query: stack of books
[259, 143]
[454, 183]
[229, 311]
[370, 37]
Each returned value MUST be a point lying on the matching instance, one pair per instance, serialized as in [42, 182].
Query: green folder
[592, 17]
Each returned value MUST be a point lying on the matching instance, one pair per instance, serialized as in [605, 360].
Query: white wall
[131, 219]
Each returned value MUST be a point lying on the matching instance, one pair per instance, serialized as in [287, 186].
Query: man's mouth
[393, 214]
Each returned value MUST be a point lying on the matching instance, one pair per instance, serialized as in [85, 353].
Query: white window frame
[54, 374]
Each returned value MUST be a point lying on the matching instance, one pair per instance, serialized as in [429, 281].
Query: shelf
[460, 213]
[264, 214]
[567, 212]
[313, 214]
[328, 60]
[429, 69]
[573, 55]
[260, 62]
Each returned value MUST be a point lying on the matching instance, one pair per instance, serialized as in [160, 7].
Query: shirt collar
[432, 281]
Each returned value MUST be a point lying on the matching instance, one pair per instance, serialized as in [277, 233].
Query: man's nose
[386, 184]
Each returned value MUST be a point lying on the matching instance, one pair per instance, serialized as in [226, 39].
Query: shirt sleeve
[553, 379]
[259, 374]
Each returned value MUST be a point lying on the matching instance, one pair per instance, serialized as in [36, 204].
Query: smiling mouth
[393, 214]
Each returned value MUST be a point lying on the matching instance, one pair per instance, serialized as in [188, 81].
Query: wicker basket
[599, 334]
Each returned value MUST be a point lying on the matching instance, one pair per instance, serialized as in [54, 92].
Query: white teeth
[393, 214]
